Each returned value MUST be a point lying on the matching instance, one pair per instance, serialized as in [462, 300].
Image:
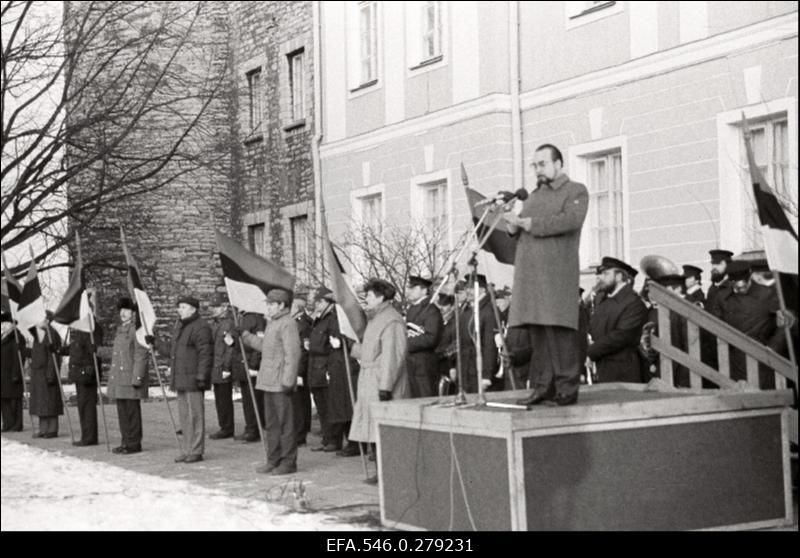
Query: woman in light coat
[382, 354]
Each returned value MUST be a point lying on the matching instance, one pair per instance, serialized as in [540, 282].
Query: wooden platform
[626, 457]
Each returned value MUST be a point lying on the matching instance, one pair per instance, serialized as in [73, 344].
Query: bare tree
[100, 104]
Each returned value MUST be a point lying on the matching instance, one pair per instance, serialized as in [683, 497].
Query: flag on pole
[248, 276]
[146, 316]
[780, 238]
[10, 292]
[75, 310]
[30, 311]
[351, 316]
[500, 243]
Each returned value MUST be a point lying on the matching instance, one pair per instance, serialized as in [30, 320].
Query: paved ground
[323, 482]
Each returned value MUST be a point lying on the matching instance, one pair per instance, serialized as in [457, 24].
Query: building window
[372, 212]
[435, 220]
[256, 239]
[770, 141]
[300, 248]
[606, 215]
[368, 41]
[431, 30]
[297, 81]
[255, 100]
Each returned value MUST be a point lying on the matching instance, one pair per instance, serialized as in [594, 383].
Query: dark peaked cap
[739, 270]
[614, 263]
[718, 256]
[692, 271]
[416, 280]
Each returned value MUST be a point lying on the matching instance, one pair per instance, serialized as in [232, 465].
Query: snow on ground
[44, 490]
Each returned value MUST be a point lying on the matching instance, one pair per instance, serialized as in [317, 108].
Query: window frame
[255, 100]
[297, 92]
[578, 164]
[372, 77]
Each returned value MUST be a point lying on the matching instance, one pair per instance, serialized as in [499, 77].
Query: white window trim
[572, 20]
[578, 172]
[730, 156]
[287, 214]
[358, 194]
[414, 64]
[415, 196]
[355, 90]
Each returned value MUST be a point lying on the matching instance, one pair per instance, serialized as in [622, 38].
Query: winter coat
[253, 323]
[45, 392]
[616, 330]
[127, 377]
[11, 384]
[382, 355]
[546, 267]
[81, 356]
[326, 366]
[280, 353]
[223, 353]
[489, 352]
[422, 359]
[192, 355]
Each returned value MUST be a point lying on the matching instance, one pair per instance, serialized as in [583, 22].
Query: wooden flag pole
[353, 402]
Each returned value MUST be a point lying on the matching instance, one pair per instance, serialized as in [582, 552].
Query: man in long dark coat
[424, 323]
[82, 361]
[301, 402]
[446, 349]
[221, 375]
[616, 325]
[12, 387]
[486, 344]
[191, 359]
[753, 309]
[254, 323]
[546, 272]
[46, 400]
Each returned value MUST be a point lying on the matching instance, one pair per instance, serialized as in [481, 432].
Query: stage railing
[696, 319]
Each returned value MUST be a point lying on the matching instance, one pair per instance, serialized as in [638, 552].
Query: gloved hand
[784, 319]
[384, 395]
[236, 332]
[287, 389]
[225, 374]
[149, 339]
[335, 342]
[228, 339]
[53, 349]
[306, 344]
[300, 382]
[253, 373]
[498, 340]
[137, 382]
[486, 383]
[453, 374]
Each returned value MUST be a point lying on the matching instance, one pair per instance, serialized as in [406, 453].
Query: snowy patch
[44, 490]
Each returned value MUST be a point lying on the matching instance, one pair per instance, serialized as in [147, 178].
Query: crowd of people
[548, 335]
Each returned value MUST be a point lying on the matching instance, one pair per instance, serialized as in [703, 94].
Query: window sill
[253, 138]
[428, 62]
[295, 125]
[365, 85]
[593, 14]
[593, 9]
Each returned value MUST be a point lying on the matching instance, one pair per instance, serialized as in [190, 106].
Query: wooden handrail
[712, 324]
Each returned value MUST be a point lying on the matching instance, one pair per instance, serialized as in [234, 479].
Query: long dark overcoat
[11, 385]
[45, 393]
[423, 369]
[192, 354]
[546, 267]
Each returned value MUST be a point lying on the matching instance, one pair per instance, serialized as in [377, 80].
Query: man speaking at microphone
[546, 270]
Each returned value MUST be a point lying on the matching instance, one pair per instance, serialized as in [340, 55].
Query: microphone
[505, 197]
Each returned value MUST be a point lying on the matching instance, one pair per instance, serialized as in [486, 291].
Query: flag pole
[97, 377]
[25, 390]
[160, 381]
[249, 382]
[353, 402]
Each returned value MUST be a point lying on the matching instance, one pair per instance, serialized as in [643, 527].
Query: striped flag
[780, 238]
[146, 316]
[499, 243]
[30, 311]
[248, 276]
[351, 316]
[75, 310]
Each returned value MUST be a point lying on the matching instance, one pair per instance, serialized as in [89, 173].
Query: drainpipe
[317, 139]
[518, 172]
